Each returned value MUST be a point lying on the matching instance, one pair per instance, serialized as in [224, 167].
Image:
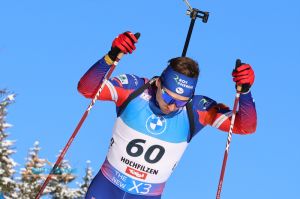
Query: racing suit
[146, 145]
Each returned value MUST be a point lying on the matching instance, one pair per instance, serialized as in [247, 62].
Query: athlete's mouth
[166, 110]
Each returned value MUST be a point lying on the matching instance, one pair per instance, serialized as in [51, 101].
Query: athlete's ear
[158, 83]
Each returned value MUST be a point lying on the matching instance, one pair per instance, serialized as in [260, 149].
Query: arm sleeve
[246, 117]
[116, 89]
[219, 116]
[91, 80]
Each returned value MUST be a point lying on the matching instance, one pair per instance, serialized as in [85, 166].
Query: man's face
[164, 107]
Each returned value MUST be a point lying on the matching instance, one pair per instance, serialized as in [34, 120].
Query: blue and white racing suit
[146, 145]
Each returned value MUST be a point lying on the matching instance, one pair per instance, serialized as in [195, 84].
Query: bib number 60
[135, 149]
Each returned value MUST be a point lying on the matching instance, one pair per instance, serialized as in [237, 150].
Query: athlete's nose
[172, 107]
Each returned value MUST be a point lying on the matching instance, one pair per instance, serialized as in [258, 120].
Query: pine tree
[33, 175]
[34, 172]
[63, 175]
[7, 164]
[86, 179]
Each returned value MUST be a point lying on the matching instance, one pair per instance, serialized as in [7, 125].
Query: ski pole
[84, 116]
[194, 14]
[234, 110]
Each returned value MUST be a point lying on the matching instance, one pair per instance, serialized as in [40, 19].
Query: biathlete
[156, 120]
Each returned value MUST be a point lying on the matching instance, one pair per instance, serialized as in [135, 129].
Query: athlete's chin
[165, 111]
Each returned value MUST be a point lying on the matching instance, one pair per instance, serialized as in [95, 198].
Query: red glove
[125, 42]
[244, 75]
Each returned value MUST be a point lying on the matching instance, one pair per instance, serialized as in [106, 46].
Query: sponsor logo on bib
[136, 173]
[156, 125]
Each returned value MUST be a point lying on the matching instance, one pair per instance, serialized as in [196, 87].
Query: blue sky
[45, 47]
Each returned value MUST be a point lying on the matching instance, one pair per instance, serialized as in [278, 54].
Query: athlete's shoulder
[128, 81]
[202, 103]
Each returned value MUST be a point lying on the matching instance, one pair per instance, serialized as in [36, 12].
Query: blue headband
[178, 83]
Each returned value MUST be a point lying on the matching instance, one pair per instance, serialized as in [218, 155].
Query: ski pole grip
[237, 64]
[137, 35]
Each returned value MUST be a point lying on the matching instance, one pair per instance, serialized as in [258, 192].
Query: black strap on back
[135, 93]
[189, 108]
[140, 90]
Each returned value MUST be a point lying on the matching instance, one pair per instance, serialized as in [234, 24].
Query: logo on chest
[156, 124]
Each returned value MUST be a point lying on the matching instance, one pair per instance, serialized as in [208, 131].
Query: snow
[7, 143]
[6, 125]
[11, 97]
[6, 180]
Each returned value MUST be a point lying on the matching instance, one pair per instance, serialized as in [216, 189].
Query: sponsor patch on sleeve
[123, 79]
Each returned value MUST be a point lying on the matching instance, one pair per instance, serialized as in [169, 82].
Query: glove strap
[113, 53]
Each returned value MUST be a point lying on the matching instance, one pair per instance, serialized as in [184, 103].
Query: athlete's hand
[243, 75]
[123, 43]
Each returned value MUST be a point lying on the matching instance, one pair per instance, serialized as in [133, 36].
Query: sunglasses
[170, 100]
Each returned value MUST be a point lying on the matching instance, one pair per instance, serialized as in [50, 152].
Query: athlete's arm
[246, 118]
[209, 112]
[219, 115]
[114, 89]
[90, 81]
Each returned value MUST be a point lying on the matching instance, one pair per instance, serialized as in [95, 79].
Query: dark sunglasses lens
[166, 97]
[170, 100]
[180, 103]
